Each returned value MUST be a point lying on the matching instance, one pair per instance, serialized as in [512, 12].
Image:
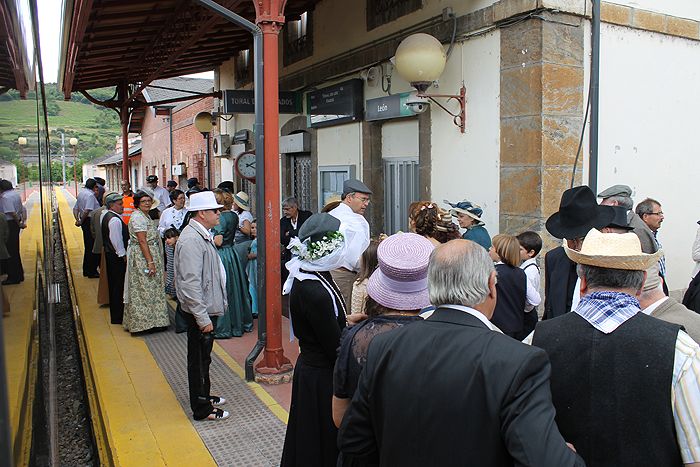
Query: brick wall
[188, 144]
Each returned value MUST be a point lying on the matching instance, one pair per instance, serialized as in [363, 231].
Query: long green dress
[144, 296]
[238, 318]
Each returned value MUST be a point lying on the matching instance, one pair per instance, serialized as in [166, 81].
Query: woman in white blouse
[172, 217]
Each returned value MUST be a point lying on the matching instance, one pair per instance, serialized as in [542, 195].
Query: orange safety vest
[128, 208]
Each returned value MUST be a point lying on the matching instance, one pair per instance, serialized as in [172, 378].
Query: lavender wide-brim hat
[401, 280]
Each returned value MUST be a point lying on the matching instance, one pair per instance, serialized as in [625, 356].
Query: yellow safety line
[145, 423]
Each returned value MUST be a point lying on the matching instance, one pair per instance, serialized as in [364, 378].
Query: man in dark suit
[578, 213]
[293, 218]
[453, 390]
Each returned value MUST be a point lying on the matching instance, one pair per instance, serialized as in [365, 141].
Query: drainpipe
[259, 129]
[595, 95]
[171, 142]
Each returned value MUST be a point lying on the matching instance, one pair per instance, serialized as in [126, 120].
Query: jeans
[199, 346]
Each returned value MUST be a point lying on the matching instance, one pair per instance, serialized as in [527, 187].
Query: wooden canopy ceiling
[106, 42]
[14, 66]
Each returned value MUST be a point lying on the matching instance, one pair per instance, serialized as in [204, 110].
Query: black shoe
[11, 282]
[93, 276]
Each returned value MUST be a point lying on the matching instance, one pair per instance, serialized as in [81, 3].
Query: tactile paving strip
[252, 436]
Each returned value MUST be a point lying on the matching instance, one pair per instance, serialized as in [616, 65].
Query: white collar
[475, 313]
[528, 262]
[650, 309]
[202, 230]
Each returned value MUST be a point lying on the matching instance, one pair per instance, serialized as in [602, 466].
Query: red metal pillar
[270, 19]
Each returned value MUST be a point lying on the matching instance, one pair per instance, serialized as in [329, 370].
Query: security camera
[417, 104]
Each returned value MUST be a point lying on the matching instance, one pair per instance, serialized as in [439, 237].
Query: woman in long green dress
[144, 296]
[238, 318]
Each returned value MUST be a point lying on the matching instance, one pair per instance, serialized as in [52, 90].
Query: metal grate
[252, 436]
[400, 190]
[301, 181]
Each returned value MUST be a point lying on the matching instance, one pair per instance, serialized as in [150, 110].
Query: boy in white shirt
[530, 246]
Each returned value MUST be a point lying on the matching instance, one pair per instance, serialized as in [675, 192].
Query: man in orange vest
[128, 197]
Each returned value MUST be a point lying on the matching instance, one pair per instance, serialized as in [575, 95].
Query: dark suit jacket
[286, 230]
[559, 283]
[448, 391]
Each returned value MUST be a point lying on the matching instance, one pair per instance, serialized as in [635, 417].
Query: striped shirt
[685, 385]
[662, 260]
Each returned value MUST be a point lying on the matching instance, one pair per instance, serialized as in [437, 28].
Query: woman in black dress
[317, 313]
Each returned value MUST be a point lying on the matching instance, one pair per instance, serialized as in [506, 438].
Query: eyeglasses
[363, 199]
[660, 213]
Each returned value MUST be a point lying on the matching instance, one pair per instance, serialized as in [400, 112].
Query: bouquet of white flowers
[311, 251]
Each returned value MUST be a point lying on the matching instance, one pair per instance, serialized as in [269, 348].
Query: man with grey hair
[626, 386]
[621, 195]
[649, 211]
[655, 303]
[290, 223]
[481, 398]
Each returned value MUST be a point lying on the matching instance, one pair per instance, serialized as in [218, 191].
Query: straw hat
[401, 280]
[613, 251]
[242, 200]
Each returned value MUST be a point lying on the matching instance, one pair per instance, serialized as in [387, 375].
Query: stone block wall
[542, 99]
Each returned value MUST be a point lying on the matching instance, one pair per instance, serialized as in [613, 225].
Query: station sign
[243, 102]
[383, 108]
[340, 103]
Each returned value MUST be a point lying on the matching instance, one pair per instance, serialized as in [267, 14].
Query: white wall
[649, 100]
[400, 138]
[340, 145]
[682, 8]
[466, 166]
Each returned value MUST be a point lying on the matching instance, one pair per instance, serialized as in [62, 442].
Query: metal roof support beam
[173, 57]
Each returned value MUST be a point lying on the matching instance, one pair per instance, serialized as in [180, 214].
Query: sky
[50, 20]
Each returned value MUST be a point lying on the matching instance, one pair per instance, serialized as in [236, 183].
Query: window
[380, 12]
[298, 38]
[330, 182]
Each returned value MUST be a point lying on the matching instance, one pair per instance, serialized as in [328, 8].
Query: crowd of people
[430, 347]
[424, 348]
[130, 241]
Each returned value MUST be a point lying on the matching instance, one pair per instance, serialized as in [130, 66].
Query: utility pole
[63, 157]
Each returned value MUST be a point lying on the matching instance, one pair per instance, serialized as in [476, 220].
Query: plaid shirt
[662, 260]
[605, 311]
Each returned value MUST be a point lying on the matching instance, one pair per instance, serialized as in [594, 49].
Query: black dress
[311, 435]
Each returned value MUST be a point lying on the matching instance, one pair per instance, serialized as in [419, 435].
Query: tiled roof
[185, 84]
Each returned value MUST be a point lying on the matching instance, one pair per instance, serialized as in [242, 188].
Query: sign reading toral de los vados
[243, 102]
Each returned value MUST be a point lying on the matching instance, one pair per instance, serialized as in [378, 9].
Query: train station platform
[140, 386]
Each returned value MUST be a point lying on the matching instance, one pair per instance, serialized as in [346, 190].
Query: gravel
[76, 443]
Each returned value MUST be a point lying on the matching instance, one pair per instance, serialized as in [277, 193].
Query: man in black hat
[159, 192]
[171, 185]
[87, 201]
[578, 213]
[350, 212]
[101, 182]
[621, 195]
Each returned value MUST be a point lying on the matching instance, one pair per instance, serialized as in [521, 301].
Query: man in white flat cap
[626, 386]
[200, 280]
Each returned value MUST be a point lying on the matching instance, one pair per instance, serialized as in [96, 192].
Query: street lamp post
[22, 141]
[74, 142]
[203, 123]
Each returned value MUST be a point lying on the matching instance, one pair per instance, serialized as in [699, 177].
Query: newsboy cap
[616, 190]
[317, 226]
[152, 178]
[112, 198]
[353, 185]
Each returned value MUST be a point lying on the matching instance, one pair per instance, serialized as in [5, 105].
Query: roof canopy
[106, 42]
[14, 66]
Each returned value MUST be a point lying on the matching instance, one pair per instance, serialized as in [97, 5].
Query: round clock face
[245, 165]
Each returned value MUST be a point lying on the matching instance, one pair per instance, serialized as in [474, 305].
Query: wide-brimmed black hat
[620, 219]
[578, 213]
[317, 226]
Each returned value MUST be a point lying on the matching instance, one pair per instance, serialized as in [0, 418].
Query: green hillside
[95, 127]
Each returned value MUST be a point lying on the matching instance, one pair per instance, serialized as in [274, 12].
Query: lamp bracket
[459, 118]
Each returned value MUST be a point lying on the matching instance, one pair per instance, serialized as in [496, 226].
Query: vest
[106, 242]
[612, 392]
[128, 208]
[511, 288]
